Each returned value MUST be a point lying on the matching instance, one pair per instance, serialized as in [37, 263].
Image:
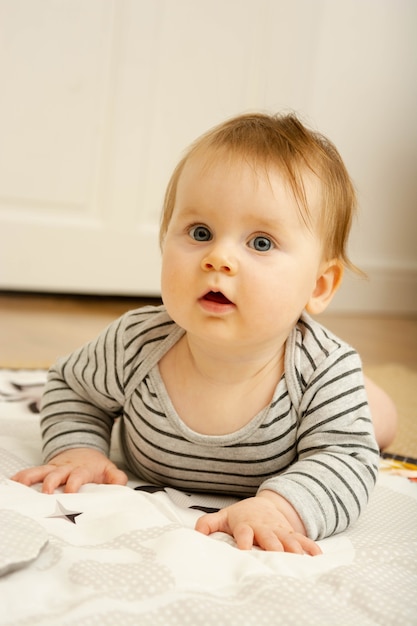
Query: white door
[77, 211]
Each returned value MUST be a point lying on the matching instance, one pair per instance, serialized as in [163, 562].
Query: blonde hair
[283, 141]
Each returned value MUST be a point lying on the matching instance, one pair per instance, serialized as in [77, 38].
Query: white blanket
[120, 556]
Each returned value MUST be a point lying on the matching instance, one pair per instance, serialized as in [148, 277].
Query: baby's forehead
[300, 179]
[223, 168]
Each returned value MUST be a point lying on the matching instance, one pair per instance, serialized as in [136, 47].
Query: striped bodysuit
[314, 444]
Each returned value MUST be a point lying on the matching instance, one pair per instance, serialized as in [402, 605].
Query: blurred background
[100, 97]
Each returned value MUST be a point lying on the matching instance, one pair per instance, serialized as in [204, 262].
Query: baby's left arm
[266, 520]
[330, 482]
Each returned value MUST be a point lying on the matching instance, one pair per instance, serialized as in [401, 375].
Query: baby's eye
[260, 243]
[200, 233]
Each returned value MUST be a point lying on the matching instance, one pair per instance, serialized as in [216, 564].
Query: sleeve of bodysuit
[84, 394]
[330, 483]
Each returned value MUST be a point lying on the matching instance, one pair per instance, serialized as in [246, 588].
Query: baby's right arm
[73, 468]
[85, 393]
[81, 399]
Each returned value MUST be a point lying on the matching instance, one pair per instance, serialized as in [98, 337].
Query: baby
[231, 386]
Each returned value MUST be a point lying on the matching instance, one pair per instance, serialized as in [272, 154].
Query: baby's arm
[82, 397]
[73, 468]
[266, 520]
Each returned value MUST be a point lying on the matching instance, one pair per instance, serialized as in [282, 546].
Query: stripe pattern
[313, 444]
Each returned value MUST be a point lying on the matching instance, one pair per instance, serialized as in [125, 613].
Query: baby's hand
[73, 468]
[257, 521]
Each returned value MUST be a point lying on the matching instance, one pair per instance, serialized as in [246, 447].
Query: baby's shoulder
[313, 352]
[144, 319]
[142, 327]
[144, 336]
[316, 341]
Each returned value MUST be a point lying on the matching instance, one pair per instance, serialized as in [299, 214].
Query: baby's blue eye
[200, 233]
[261, 243]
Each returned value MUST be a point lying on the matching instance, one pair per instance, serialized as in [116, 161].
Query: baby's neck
[216, 392]
[226, 367]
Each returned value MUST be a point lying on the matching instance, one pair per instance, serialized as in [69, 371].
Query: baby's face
[239, 263]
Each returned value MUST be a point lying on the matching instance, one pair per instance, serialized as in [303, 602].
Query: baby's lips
[216, 296]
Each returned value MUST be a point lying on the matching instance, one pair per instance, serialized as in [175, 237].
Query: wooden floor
[37, 329]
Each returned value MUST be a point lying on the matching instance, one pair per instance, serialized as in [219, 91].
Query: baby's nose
[219, 262]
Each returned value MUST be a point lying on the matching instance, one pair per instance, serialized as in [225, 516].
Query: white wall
[365, 98]
[157, 73]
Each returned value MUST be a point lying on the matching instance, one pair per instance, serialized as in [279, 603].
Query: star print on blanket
[63, 513]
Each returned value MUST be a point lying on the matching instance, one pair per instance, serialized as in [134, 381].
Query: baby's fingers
[79, 476]
[57, 476]
[114, 476]
[51, 477]
[212, 523]
[32, 475]
[299, 544]
[281, 540]
[76, 478]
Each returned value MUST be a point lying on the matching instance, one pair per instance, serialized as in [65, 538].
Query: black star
[63, 513]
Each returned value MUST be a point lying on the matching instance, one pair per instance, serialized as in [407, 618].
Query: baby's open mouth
[217, 296]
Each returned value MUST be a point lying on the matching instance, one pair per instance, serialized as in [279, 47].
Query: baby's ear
[328, 282]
